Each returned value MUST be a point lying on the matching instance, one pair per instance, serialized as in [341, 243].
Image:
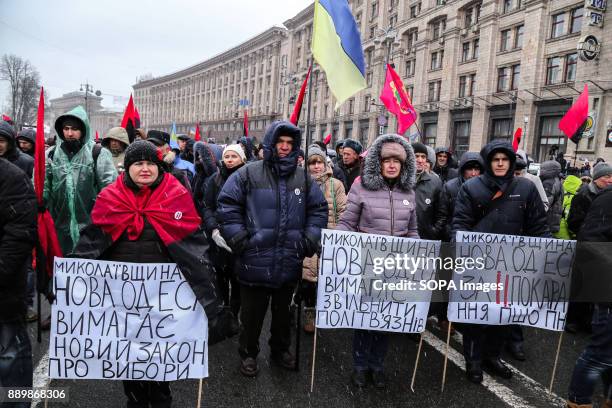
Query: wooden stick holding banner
[416, 363]
[199, 394]
[314, 357]
[450, 325]
[552, 379]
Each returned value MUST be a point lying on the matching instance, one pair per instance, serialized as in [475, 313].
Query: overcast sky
[109, 43]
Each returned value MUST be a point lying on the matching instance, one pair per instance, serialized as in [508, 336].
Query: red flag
[129, 113]
[48, 245]
[517, 138]
[97, 135]
[572, 124]
[397, 101]
[297, 109]
[129, 122]
[136, 117]
[197, 136]
[245, 124]
[327, 139]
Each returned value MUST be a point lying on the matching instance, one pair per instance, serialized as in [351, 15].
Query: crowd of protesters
[252, 220]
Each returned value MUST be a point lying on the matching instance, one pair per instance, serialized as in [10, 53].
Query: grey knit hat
[602, 169]
[315, 150]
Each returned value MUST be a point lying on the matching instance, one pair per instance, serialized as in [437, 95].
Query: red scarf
[168, 208]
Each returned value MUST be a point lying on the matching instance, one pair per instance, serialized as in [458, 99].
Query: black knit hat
[420, 148]
[143, 150]
[353, 144]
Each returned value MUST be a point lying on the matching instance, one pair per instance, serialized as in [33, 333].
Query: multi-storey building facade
[101, 119]
[476, 71]
[216, 91]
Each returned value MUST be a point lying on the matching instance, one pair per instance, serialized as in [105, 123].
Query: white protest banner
[519, 280]
[125, 321]
[374, 282]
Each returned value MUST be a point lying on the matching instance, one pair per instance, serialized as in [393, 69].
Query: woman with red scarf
[148, 216]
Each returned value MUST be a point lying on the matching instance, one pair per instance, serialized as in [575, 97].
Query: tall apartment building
[476, 70]
[216, 91]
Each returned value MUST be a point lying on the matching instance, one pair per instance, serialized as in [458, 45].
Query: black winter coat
[211, 190]
[18, 235]
[431, 214]
[24, 161]
[520, 212]
[271, 214]
[549, 174]
[580, 206]
[597, 225]
[350, 173]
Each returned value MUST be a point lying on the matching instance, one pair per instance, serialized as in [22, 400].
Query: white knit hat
[236, 148]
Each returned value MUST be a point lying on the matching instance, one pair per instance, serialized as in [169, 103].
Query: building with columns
[476, 71]
[101, 119]
[215, 92]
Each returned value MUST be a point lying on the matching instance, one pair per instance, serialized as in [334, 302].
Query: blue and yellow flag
[173, 138]
[336, 46]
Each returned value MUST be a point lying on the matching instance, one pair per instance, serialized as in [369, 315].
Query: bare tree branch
[24, 83]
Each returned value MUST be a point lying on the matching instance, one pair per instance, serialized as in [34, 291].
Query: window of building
[558, 24]
[516, 77]
[410, 66]
[373, 31]
[430, 130]
[351, 106]
[553, 70]
[367, 101]
[472, 87]
[393, 20]
[369, 78]
[465, 51]
[461, 137]
[411, 38]
[415, 9]
[519, 31]
[550, 135]
[433, 94]
[368, 57]
[571, 62]
[437, 28]
[410, 91]
[504, 44]
[503, 78]
[576, 20]
[501, 129]
[475, 45]
[507, 6]
[373, 10]
[468, 18]
[463, 84]
[437, 58]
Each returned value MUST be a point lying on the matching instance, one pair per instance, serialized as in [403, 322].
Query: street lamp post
[88, 89]
[386, 37]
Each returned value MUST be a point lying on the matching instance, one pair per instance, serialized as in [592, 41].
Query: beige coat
[325, 181]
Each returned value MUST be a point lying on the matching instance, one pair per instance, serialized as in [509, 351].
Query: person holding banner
[496, 202]
[333, 190]
[381, 201]
[148, 216]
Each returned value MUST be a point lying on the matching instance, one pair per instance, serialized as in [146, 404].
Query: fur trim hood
[371, 177]
[205, 158]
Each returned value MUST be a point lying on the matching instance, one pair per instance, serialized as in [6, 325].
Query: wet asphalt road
[276, 387]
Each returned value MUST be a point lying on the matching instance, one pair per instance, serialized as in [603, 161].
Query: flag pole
[299, 288]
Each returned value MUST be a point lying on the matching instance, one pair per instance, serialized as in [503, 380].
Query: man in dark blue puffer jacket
[271, 214]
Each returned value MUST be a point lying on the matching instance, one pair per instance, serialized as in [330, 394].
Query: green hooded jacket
[71, 187]
[570, 187]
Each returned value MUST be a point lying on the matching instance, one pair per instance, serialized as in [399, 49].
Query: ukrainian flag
[336, 46]
[173, 137]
